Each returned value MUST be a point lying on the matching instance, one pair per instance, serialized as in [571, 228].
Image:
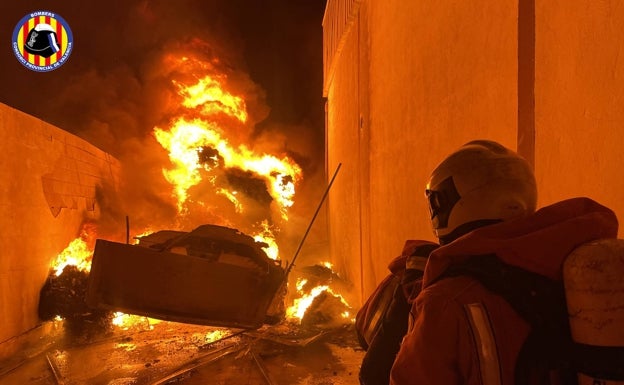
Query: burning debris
[199, 151]
[64, 292]
[64, 296]
[249, 185]
[212, 275]
[327, 311]
[318, 306]
[322, 274]
[320, 321]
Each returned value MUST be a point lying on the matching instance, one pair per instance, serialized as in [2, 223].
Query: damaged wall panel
[50, 178]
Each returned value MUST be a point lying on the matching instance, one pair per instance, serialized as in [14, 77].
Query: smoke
[118, 85]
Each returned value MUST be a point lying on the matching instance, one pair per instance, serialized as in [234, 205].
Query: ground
[184, 354]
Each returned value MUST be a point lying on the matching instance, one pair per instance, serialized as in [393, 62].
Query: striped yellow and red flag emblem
[49, 23]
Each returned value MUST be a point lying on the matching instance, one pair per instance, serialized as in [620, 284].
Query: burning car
[212, 275]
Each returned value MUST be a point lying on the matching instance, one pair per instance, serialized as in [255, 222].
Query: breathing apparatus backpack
[577, 325]
[593, 275]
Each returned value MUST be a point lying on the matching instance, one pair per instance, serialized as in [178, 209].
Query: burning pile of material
[64, 296]
[317, 302]
[67, 295]
[215, 174]
[214, 167]
[64, 293]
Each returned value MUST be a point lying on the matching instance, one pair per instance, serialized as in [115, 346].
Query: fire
[216, 335]
[266, 236]
[137, 238]
[231, 196]
[128, 321]
[208, 93]
[202, 140]
[301, 305]
[188, 141]
[78, 253]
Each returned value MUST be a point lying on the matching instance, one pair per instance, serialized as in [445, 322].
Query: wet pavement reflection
[186, 354]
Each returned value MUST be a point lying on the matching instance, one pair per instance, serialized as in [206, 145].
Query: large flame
[203, 143]
[208, 94]
[203, 139]
[78, 253]
[188, 140]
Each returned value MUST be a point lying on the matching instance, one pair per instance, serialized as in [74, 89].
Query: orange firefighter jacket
[461, 333]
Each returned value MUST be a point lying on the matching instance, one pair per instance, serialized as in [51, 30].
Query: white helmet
[481, 183]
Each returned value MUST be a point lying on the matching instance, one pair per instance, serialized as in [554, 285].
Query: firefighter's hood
[538, 243]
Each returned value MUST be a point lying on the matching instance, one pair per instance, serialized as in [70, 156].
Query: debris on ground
[64, 296]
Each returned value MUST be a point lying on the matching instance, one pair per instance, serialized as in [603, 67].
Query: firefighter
[382, 321]
[490, 311]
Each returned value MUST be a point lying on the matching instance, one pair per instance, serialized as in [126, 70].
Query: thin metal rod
[55, 371]
[262, 367]
[200, 361]
[318, 208]
[127, 230]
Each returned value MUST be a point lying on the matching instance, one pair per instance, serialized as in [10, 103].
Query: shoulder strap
[538, 300]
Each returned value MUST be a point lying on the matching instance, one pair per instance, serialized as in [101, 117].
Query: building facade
[407, 82]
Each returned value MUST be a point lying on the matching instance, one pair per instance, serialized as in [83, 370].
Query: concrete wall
[423, 78]
[49, 180]
[579, 89]
[543, 77]
[344, 203]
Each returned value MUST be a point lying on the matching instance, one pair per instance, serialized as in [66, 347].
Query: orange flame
[209, 94]
[197, 140]
[300, 305]
[201, 149]
[216, 335]
[186, 139]
[129, 321]
[231, 196]
[137, 238]
[78, 253]
[266, 236]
